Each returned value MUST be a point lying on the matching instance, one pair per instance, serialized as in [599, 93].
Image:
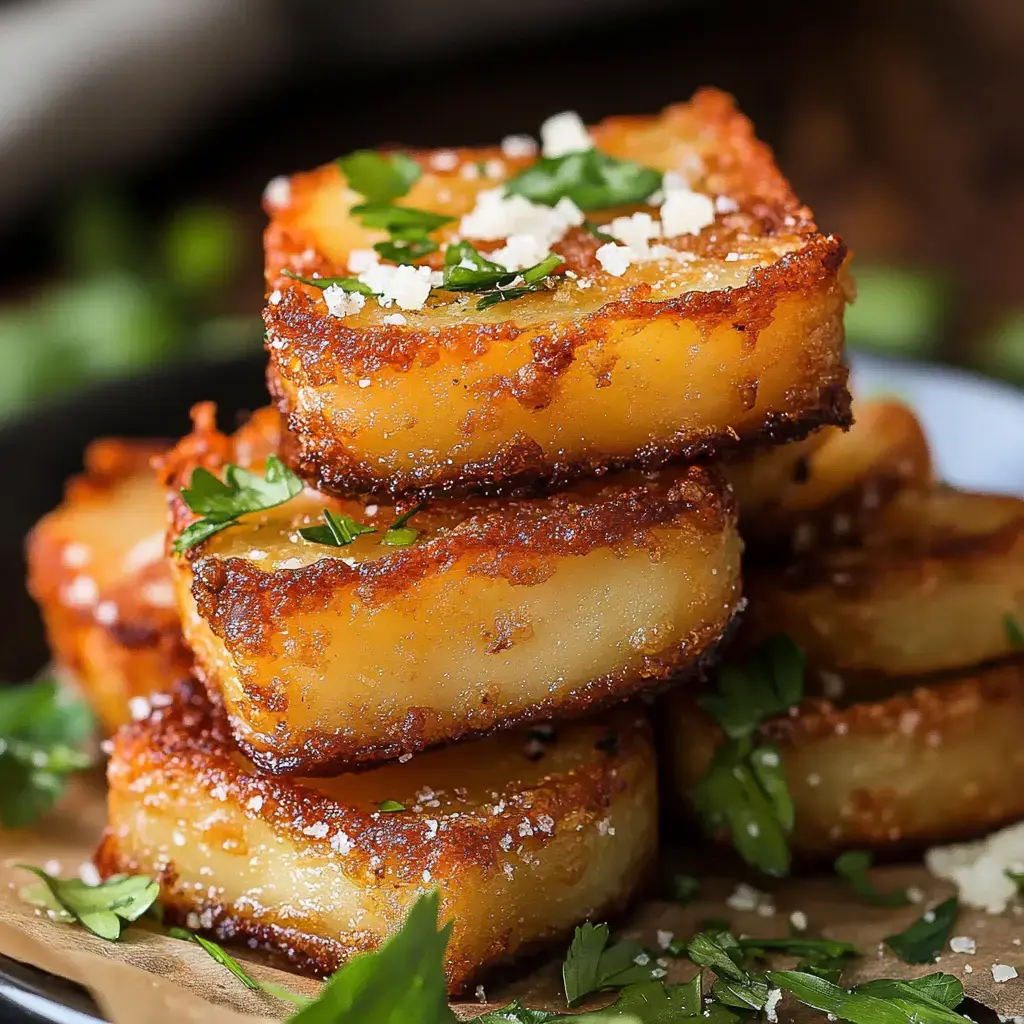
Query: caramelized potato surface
[937, 762]
[735, 338]
[96, 567]
[929, 589]
[501, 612]
[830, 486]
[523, 834]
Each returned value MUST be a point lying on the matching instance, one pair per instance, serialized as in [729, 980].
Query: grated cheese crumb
[518, 146]
[1002, 973]
[341, 303]
[686, 213]
[318, 830]
[665, 938]
[798, 919]
[615, 259]
[278, 193]
[564, 133]
[341, 843]
[963, 944]
[395, 320]
[771, 1003]
[978, 869]
[405, 286]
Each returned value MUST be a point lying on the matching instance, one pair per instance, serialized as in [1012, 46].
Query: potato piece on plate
[97, 569]
[931, 763]
[716, 329]
[498, 612]
[524, 835]
[931, 587]
[831, 486]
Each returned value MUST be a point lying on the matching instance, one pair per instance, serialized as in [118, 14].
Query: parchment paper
[148, 978]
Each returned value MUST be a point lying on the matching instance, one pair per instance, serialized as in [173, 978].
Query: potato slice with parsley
[495, 612]
[522, 834]
[719, 328]
[930, 588]
[928, 763]
[832, 486]
[97, 569]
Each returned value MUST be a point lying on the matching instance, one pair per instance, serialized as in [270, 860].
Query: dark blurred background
[136, 137]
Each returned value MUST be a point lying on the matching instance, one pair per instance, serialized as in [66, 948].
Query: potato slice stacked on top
[486, 500]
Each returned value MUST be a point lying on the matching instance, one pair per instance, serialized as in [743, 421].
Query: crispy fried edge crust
[189, 736]
[818, 722]
[310, 349]
[234, 598]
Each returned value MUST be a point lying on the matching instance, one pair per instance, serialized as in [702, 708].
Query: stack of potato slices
[488, 509]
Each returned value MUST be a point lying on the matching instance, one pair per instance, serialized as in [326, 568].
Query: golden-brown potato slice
[934, 763]
[502, 612]
[831, 485]
[523, 834]
[737, 339]
[928, 589]
[96, 567]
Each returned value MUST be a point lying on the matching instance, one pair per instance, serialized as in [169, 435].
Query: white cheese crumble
[635, 231]
[275, 297]
[278, 193]
[564, 133]
[746, 897]
[318, 830]
[978, 869]
[405, 286]
[444, 160]
[771, 1003]
[497, 216]
[1003, 972]
[665, 938]
[395, 320]
[341, 843]
[615, 259]
[518, 146]
[798, 919]
[963, 944]
[341, 303]
[361, 260]
[685, 212]
[519, 251]
[139, 708]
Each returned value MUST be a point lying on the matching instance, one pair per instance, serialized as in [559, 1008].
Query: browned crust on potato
[189, 738]
[958, 738]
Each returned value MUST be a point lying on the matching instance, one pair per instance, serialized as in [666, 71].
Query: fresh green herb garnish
[875, 1002]
[399, 534]
[483, 275]
[591, 964]
[735, 986]
[379, 177]
[221, 956]
[407, 249]
[684, 888]
[42, 730]
[348, 284]
[1014, 632]
[744, 788]
[591, 179]
[403, 982]
[794, 945]
[103, 909]
[601, 236]
[221, 503]
[339, 531]
[1017, 877]
[516, 1013]
[390, 806]
[854, 866]
[922, 942]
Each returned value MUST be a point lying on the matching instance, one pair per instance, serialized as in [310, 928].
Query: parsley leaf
[103, 909]
[406, 249]
[467, 270]
[795, 945]
[402, 221]
[854, 866]
[591, 964]
[390, 806]
[42, 728]
[348, 284]
[1014, 632]
[880, 1002]
[516, 1013]
[403, 982]
[589, 178]
[399, 534]
[221, 956]
[745, 788]
[922, 942]
[939, 988]
[379, 176]
[339, 531]
[220, 503]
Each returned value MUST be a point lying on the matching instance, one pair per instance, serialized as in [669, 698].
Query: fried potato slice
[523, 834]
[503, 611]
[736, 339]
[929, 589]
[832, 485]
[96, 567]
[933, 763]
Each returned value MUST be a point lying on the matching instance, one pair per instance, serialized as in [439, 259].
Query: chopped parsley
[103, 909]
[380, 177]
[854, 866]
[42, 731]
[399, 534]
[339, 530]
[922, 942]
[390, 806]
[348, 284]
[592, 965]
[744, 788]
[591, 179]
[1014, 632]
[466, 270]
[221, 503]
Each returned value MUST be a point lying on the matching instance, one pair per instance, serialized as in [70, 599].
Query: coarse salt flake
[963, 944]
[341, 843]
[361, 260]
[1002, 973]
[318, 830]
